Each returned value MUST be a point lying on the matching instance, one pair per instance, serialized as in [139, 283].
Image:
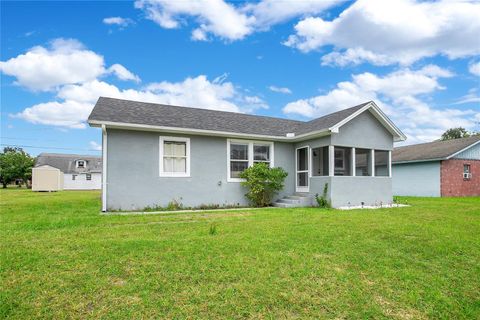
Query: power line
[29, 139]
[38, 147]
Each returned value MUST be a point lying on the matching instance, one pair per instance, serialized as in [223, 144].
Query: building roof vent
[290, 135]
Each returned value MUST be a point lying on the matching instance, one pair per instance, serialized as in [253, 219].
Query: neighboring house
[441, 168]
[55, 171]
[154, 154]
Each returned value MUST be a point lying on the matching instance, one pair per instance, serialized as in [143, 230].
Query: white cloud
[271, 12]
[71, 114]
[213, 16]
[225, 20]
[199, 35]
[123, 73]
[368, 86]
[74, 73]
[471, 97]
[280, 89]
[354, 56]
[252, 103]
[395, 31]
[400, 94]
[119, 21]
[75, 101]
[65, 61]
[474, 68]
[200, 92]
[95, 146]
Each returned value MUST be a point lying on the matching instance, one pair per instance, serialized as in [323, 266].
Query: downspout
[104, 168]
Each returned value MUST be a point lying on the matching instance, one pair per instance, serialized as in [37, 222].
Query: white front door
[302, 170]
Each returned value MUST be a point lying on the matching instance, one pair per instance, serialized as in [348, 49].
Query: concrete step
[295, 200]
[302, 194]
[296, 197]
[288, 200]
[285, 205]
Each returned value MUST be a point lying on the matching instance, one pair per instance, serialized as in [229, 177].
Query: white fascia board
[378, 113]
[145, 127]
[417, 161]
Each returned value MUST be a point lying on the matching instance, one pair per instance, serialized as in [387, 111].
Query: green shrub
[174, 205]
[322, 200]
[263, 183]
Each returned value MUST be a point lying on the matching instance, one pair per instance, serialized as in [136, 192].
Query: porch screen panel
[342, 160]
[362, 162]
[320, 161]
[302, 162]
[381, 163]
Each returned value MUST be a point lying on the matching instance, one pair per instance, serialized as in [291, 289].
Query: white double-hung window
[244, 153]
[261, 153]
[174, 157]
[239, 159]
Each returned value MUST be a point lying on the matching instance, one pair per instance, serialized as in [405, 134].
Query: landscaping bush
[322, 200]
[263, 183]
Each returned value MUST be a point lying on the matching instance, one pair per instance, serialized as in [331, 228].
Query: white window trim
[250, 144]
[372, 162]
[162, 173]
[353, 162]
[331, 160]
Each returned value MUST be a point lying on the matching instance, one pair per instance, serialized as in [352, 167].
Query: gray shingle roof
[134, 112]
[329, 120]
[66, 162]
[432, 150]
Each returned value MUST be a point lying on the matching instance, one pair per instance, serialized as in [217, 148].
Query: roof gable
[140, 115]
[379, 115]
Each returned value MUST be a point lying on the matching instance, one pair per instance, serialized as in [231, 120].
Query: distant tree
[455, 133]
[15, 164]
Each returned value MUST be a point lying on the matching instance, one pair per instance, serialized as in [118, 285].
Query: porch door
[302, 170]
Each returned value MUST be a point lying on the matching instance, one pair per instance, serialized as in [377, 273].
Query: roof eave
[416, 161]
[144, 127]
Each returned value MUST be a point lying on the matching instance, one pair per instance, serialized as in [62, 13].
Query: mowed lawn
[61, 259]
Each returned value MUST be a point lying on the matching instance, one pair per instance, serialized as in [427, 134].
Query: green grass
[60, 258]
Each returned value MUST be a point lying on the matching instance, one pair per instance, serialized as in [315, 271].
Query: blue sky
[419, 61]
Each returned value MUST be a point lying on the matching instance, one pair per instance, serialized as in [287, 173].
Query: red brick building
[441, 168]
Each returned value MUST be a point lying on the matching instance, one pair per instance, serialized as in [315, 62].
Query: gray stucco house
[438, 169]
[154, 154]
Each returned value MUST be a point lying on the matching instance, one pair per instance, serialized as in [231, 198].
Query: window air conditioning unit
[467, 175]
